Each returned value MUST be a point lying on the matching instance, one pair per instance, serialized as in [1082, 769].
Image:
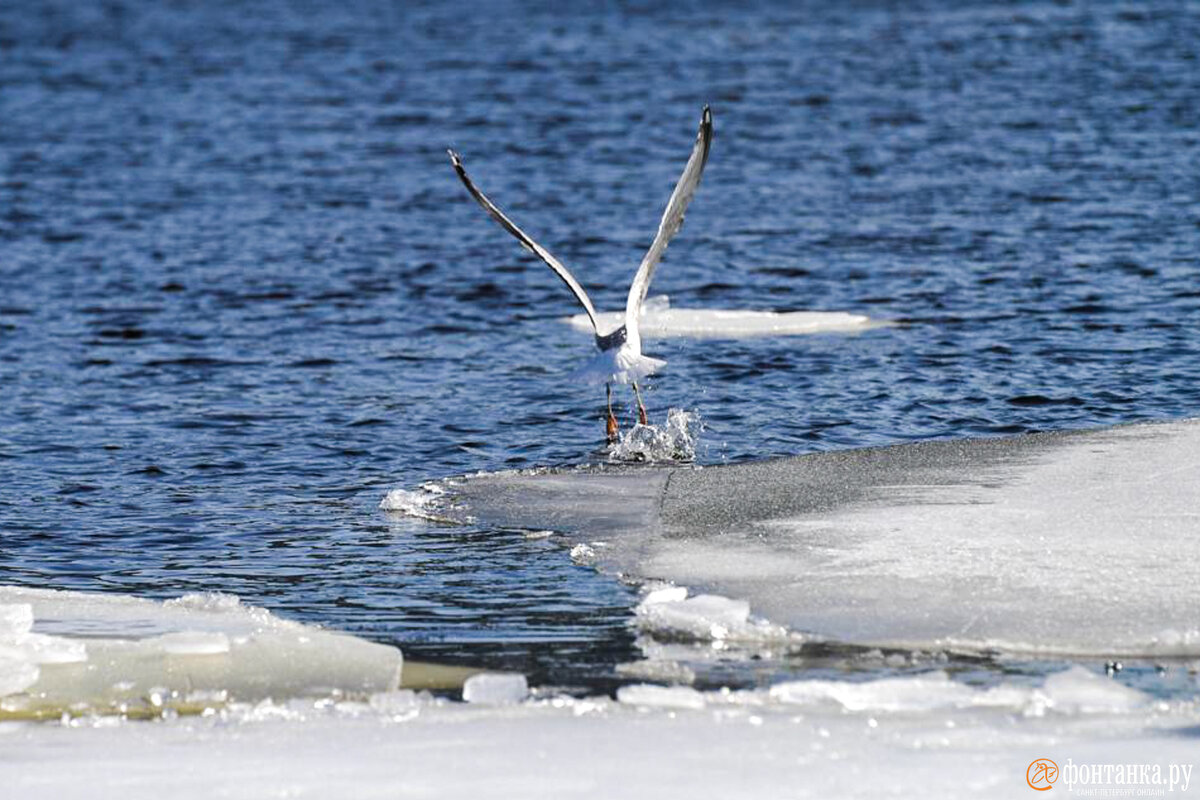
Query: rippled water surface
[242, 294]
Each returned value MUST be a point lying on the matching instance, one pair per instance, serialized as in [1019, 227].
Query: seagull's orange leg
[641, 408]
[611, 427]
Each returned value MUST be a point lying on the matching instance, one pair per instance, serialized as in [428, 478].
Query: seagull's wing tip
[453, 155]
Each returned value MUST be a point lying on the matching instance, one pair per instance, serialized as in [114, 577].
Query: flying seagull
[620, 359]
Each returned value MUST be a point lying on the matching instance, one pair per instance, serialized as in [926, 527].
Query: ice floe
[1073, 544]
[660, 321]
[87, 652]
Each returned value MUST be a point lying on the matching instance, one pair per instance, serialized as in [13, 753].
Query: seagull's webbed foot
[641, 408]
[611, 428]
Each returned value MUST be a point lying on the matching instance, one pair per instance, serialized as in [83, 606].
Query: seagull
[620, 359]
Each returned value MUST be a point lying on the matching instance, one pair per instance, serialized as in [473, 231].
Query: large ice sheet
[82, 652]
[1069, 544]
[660, 321]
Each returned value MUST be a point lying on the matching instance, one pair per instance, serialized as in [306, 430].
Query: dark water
[242, 294]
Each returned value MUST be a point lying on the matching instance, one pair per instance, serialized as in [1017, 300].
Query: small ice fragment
[1079, 690]
[669, 594]
[583, 554]
[193, 643]
[912, 693]
[495, 688]
[650, 696]
[705, 616]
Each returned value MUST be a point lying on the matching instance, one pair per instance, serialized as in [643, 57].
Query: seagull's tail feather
[619, 365]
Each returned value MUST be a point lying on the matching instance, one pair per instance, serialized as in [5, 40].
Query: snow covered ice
[815, 739]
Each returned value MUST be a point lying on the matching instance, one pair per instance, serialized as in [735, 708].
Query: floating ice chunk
[660, 321]
[651, 696]
[667, 594]
[917, 693]
[708, 617]
[144, 657]
[1074, 691]
[192, 643]
[495, 688]
[1079, 690]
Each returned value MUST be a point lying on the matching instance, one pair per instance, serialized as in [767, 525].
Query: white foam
[421, 503]
[583, 554]
[659, 321]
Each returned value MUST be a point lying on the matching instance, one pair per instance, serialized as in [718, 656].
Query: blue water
[242, 294]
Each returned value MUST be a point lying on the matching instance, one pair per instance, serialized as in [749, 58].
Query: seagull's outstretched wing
[672, 220]
[526, 242]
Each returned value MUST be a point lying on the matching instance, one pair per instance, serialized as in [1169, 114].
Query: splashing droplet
[675, 441]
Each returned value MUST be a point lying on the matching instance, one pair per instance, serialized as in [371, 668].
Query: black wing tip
[706, 125]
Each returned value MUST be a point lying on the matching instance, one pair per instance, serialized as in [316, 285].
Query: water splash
[675, 441]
